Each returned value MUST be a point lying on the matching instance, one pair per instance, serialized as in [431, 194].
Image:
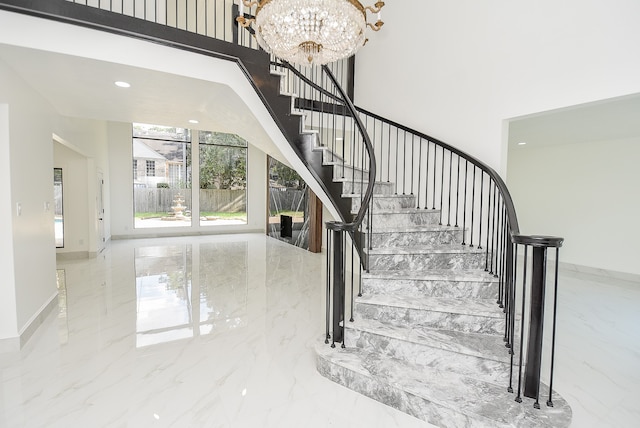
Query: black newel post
[338, 286]
[539, 244]
[536, 326]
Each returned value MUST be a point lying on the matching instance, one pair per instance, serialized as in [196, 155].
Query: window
[151, 168]
[162, 190]
[162, 198]
[223, 179]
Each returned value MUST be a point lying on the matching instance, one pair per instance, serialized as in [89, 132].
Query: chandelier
[309, 32]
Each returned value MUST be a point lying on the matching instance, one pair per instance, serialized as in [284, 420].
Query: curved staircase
[428, 336]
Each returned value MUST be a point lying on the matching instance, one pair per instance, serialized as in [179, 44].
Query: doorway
[58, 207]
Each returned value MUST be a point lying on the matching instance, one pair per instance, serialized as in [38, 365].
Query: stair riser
[382, 222]
[398, 398]
[357, 187]
[410, 239]
[388, 203]
[431, 288]
[340, 171]
[414, 262]
[466, 323]
[422, 355]
[328, 157]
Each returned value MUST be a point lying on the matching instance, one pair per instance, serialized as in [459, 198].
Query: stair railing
[468, 194]
[471, 196]
[347, 150]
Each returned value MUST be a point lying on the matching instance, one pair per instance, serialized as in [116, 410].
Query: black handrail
[511, 210]
[364, 205]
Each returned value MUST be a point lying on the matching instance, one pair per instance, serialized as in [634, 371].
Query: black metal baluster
[435, 167]
[464, 200]
[360, 272]
[426, 183]
[499, 259]
[522, 323]
[473, 204]
[352, 299]
[419, 172]
[344, 156]
[404, 162]
[458, 192]
[450, 190]
[480, 211]
[486, 258]
[389, 156]
[412, 159]
[344, 306]
[441, 186]
[513, 315]
[553, 331]
[353, 149]
[494, 245]
[329, 245]
[397, 169]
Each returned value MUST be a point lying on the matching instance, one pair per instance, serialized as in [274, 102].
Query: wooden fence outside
[161, 200]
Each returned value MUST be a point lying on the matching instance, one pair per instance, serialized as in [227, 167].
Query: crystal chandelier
[309, 32]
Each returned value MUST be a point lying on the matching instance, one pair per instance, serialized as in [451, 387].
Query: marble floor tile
[219, 331]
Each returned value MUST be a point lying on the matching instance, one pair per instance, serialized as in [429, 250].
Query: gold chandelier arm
[376, 7]
[377, 26]
[249, 4]
[244, 22]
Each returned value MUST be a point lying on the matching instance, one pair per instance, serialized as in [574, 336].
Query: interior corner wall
[586, 193]
[471, 65]
[30, 192]
[8, 318]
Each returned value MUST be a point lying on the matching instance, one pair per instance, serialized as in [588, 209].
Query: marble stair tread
[404, 211]
[414, 228]
[487, 347]
[427, 249]
[439, 397]
[461, 275]
[478, 307]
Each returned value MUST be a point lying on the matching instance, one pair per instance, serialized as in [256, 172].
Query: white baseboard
[15, 344]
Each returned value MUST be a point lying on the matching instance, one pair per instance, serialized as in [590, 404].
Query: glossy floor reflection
[184, 332]
[219, 331]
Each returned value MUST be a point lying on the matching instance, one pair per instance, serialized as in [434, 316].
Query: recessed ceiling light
[122, 84]
[522, 143]
[193, 121]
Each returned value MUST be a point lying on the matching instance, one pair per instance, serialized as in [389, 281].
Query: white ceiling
[83, 87]
[606, 120]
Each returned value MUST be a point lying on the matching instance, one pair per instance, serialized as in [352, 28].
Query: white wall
[458, 69]
[29, 153]
[586, 193]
